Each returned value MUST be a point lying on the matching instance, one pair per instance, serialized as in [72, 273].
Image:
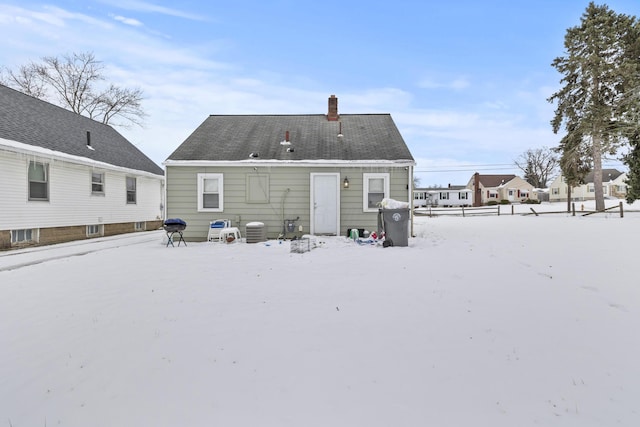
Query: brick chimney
[477, 191]
[332, 115]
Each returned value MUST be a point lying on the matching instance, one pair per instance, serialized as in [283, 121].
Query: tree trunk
[597, 172]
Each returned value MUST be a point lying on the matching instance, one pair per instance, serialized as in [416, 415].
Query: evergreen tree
[600, 76]
[632, 160]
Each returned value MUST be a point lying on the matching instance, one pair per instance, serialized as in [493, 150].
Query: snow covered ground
[481, 321]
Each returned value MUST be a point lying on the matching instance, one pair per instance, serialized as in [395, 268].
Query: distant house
[66, 177]
[322, 174]
[451, 196]
[488, 188]
[613, 186]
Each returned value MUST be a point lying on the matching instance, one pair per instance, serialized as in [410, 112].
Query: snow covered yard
[500, 321]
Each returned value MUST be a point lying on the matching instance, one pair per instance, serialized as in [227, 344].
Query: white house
[66, 177]
[613, 185]
[453, 195]
[496, 188]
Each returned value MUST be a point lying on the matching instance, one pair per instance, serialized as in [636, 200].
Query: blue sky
[465, 81]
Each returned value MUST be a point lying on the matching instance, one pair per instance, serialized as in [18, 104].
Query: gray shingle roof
[607, 175]
[490, 181]
[371, 137]
[31, 121]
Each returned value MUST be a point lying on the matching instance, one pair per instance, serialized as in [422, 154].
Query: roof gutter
[291, 163]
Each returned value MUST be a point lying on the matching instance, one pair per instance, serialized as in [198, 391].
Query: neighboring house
[451, 196]
[496, 188]
[613, 185]
[66, 177]
[296, 174]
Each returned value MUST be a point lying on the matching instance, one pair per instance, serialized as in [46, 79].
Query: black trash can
[395, 224]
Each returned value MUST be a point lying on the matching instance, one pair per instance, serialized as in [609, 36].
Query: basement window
[28, 235]
[94, 230]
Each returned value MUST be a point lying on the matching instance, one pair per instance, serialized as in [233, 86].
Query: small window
[463, 195]
[555, 191]
[131, 190]
[210, 192]
[28, 235]
[94, 230]
[376, 188]
[140, 226]
[257, 190]
[444, 196]
[38, 181]
[97, 183]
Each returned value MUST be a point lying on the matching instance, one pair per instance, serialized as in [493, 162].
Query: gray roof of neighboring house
[490, 181]
[31, 121]
[607, 175]
[312, 137]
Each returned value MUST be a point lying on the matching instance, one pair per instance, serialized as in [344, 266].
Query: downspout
[410, 197]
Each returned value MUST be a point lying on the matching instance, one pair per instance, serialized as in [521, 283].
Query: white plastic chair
[230, 232]
[215, 227]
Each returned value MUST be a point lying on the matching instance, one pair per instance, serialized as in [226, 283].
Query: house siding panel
[289, 188]
[71, 202]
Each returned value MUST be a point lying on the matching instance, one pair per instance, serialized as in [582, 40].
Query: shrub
[530, 202]
[492, 202]
[505, 202]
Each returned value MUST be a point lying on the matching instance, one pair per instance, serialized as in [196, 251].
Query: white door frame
[336, 175]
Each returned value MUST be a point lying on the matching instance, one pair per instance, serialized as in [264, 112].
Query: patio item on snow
[215, 227]
[395, 224]
[173, 226]
[255, 232]
[229, 234]
[300, 246]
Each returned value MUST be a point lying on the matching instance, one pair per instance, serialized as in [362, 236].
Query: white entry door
[325, 203]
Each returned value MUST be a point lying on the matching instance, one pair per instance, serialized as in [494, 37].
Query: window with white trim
[97, 183]
[38, 181]
[94, 230]
[210, 192]
[29, 235]
[375, 188]
[463, 195]
[131, 190]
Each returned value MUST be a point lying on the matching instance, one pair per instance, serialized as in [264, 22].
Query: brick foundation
[52, 235]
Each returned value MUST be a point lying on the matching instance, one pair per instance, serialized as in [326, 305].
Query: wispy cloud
[148, 7]
[128, 21]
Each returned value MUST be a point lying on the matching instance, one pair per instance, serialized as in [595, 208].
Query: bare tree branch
[73, 80]
[538, 166]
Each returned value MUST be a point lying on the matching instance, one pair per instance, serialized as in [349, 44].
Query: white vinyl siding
[70, 201]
